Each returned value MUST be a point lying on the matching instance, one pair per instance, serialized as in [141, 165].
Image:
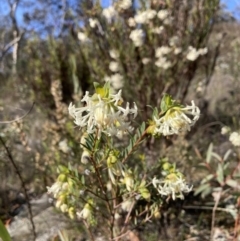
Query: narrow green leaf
[219, 158]
[201, 188]
[227, 154]
[209, 153]
[4, 233]
[232, 183]
[220, 174]
[207, 178]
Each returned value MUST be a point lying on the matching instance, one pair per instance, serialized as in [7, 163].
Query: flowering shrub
[149, 49]
[111, 179]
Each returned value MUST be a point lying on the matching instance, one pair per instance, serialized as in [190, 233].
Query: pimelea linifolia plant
[109, 180]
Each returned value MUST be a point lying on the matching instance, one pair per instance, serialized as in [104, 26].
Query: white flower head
[103, 112]
[225, 130]
[131, 22]
[193, 54]
[93, 22]
[85, 158]
[86, 213]
[161, 51]
[163, 63]
[203, 51]
[125, 4]
[146, 60]
[127, 205]
[173, 41]
[63, 146]
[109, 13]
[235, 138]
[116, 81]
[83, 38]
[163, 14]
[177, 50]
[114, 67]
[55, 189]
[141, 17]
[137, 36]
[158, 30]
[177, 119]
[114, 54]
[173, 185]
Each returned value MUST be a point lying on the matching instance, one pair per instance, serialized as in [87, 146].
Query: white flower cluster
[125, 4]
[137, 36]
[104, 114]
[177, 120]
[145, 16]
[193, 53]
[109, 13]
[172, 185]
[235, 138]
[116, 81]
[162, 61]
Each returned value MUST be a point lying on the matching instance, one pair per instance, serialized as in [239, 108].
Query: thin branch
[17, 119]
[10, 157]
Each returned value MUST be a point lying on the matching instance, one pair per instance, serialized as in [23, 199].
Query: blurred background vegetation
[52, 51]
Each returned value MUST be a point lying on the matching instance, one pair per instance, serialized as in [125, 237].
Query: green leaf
[227, 154]
[209, 153]
[201, 189]
[220, 174]
[4, 233]
[232, 183]
[207, 178]
[166, 103]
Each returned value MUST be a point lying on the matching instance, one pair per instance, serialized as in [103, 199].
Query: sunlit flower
[86, 213]
[173, 185]
[177, 50]
[115, 167]
[131, 22]
[146, 60]
[128, 204]
[109, 13]
[158, 30]
[128, 181]
[103, 112]
[163, 63]
[173, 41]
[203, 51]
[151, 13]
[55, 189]
[137, 36]
[163, 50]
[125, 4]
[116, 81]
[93, 22]
[64, 208]
[177, 119]
[63, 146]
[163, 14]
[114, 54]
[83, 38]
[225, 130]
[114, 66]
[145, 16]
[235, 138]
[85, 158]
[140, 17]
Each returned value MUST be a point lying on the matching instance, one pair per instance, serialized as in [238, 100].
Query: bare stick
[23, 185]
[17, 119]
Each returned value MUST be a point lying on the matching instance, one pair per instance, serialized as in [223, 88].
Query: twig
[89, 231]
[17, 119]
[9, 154]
